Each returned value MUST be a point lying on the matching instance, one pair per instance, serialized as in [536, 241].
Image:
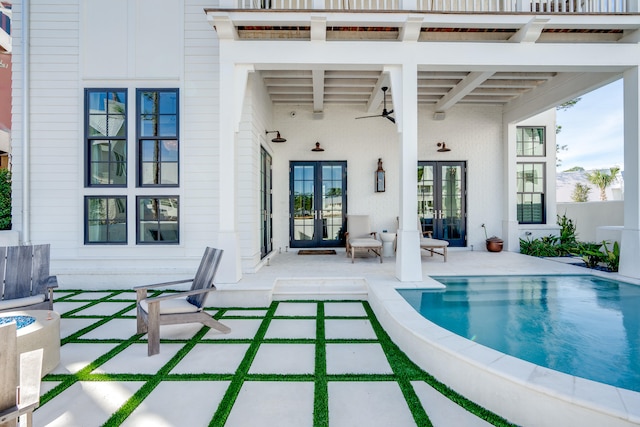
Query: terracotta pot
[494, 244]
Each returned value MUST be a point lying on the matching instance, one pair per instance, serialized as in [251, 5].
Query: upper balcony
[446, 6]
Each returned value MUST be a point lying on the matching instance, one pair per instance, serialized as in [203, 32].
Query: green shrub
[553, 246]
[5, 199]
[591, 253]
[612, 256]
[568, 235]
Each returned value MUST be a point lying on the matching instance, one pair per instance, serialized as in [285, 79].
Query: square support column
[630, 245]
[404, 89]
[510, 229]
[233, 83]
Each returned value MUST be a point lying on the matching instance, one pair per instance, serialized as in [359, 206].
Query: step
[321, 288]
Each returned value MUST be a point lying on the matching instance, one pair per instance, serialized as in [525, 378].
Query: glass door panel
[426, 198]
[303, 203]
[318, 201]
[266, 211]
[332, 213]
[451, 206]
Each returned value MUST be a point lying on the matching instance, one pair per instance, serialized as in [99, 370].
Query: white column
[630, 245]
[233, 83]
[404, 89]
[510, 231]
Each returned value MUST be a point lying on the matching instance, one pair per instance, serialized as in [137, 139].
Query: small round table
[38, 329]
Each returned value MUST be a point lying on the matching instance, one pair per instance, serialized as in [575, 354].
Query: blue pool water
[580, 325]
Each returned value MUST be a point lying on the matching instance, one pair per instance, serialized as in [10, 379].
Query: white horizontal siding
[55, 129]
[200, 127]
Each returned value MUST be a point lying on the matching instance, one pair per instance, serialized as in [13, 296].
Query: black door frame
[437, 224]
[315, 212]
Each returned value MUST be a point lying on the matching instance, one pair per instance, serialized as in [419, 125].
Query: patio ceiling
[439, 88]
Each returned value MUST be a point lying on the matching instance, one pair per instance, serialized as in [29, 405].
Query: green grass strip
[84, 374]
[95, 325]
[321, 387]
[143, 392]
[411, 372]
[403, 371]
[230, 396]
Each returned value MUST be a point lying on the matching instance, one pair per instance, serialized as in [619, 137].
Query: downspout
[26, 204]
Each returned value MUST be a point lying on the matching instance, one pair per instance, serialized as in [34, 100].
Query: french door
[442, 201]
[266, 211]
[318, 203]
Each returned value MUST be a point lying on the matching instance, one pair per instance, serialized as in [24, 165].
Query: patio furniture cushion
[172, 306]
[431, 245]
[10, 304]
[365, 243]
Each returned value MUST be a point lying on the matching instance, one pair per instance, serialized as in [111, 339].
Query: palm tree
[603, 180]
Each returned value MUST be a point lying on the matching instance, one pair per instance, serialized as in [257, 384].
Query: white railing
[535, 6]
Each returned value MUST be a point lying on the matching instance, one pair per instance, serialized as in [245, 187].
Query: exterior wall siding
[170, 44]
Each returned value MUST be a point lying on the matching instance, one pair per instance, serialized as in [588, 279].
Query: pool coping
[520, 391]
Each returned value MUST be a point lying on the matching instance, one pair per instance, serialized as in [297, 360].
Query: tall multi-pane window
[158, 220]
[106, 219]
[156, 164]
[106, 137]
[530, 142]
[157, 127]
[530, 198]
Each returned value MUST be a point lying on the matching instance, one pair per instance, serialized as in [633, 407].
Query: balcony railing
[499, 6]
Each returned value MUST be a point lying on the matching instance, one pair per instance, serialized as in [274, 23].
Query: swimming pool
[583, 325]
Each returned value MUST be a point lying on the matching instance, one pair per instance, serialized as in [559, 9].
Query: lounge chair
[427, 243]
[179, 307]
[24, 275]
[360, 237]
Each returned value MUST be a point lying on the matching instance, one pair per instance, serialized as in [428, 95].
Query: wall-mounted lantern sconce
[278, 138]
[380, 178]
[443, 147]
[317, 147]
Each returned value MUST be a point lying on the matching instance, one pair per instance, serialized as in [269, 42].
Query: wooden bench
[25, 283]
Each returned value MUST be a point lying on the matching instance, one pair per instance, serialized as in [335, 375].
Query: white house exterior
[139, 131]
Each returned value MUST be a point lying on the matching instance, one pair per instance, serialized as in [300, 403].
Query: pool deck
[317, 361]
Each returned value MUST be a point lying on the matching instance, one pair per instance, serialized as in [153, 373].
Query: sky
[592, 130]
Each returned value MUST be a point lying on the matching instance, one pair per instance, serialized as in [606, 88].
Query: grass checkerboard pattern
[294, 363]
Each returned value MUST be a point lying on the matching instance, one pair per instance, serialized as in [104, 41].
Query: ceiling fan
[385, 113]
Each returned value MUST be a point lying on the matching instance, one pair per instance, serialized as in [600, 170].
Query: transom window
[158, 137]
[106, 137]
[530, 142]
[531, 189]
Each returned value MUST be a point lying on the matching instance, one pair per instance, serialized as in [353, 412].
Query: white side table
[387, 243]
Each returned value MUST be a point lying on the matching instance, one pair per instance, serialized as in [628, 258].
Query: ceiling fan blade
[391, 118]
[368, 117]
[390, 112]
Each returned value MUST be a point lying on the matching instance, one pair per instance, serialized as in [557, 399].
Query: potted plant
[494, 243]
